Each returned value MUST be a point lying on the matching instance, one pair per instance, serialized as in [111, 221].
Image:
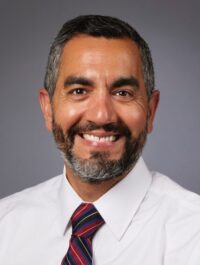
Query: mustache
[118, 128]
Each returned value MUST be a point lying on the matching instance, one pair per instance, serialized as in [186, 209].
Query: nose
[101, 110]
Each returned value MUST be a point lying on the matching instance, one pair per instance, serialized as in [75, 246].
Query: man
[99, 102]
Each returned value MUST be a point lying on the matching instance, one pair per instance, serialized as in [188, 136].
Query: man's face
[100, 110]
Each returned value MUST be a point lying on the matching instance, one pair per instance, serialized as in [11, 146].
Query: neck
[90, 192]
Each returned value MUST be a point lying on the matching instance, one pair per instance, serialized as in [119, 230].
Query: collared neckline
[117, 206]
[69, 201]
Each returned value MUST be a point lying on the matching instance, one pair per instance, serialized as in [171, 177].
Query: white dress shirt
[149, 220]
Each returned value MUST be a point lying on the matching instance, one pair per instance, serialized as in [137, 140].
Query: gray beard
[99, 167]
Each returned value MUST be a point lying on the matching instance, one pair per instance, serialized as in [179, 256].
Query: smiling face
[100, 113]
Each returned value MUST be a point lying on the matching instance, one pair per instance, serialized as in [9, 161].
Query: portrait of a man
[99, 101]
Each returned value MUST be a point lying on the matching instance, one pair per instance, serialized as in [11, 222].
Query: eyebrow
[126, 81]
[77, 80]
[120, 82]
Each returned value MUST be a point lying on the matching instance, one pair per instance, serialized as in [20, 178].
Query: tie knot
[86, 220]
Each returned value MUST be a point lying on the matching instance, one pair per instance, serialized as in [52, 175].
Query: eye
[123, 93]
[78, 91]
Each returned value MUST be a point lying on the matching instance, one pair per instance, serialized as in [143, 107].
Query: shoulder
[179, 206]
[30, 197]
[181, 211]
[170, 191]
[27, 215]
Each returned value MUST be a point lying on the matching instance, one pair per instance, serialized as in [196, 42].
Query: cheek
[135, 119]
[67, 115]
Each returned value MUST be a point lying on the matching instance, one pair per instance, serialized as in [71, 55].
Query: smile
[100, 139]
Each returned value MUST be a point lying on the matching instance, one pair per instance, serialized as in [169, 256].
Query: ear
[46, 107]
[153, 104]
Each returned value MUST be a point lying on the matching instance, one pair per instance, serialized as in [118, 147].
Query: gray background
[172, 28]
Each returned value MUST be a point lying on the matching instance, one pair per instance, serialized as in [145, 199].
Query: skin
[101, 99]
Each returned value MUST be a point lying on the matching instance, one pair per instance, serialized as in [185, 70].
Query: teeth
[95, 138]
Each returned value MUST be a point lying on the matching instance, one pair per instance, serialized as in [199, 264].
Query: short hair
[96, 26]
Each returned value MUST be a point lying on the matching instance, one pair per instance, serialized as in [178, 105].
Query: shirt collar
[69, 201]
[117, 206]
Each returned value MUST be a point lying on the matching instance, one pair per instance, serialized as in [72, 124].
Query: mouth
[99, 141]
[99, 137]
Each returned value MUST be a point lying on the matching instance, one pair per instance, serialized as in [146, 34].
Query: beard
[99, 167]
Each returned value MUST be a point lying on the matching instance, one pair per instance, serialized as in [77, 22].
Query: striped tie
[86, 220]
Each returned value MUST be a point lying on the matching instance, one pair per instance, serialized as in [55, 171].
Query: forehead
[108, 56]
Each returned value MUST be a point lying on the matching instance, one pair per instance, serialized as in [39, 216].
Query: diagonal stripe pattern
[86, 220]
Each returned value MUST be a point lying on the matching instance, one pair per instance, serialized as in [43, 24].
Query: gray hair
[96, 26]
